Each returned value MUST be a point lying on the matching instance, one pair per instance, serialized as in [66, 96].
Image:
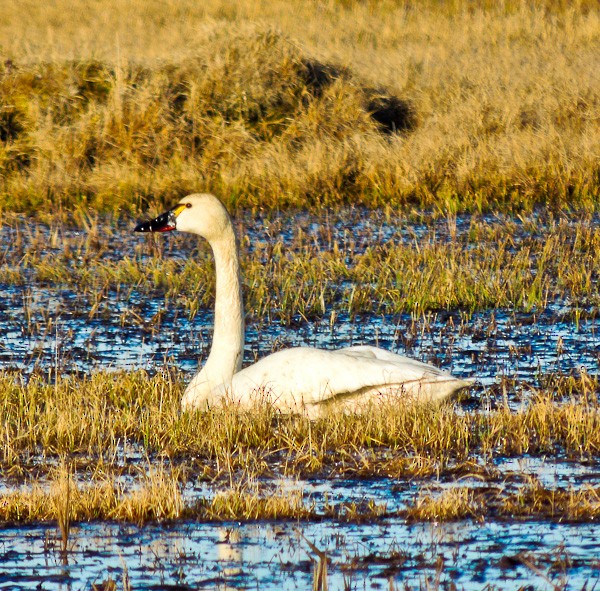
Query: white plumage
[301, 379]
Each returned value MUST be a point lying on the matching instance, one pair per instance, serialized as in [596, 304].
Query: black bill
[165, 222]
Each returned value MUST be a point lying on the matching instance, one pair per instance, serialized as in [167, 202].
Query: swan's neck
[227, 349]
[225, 358]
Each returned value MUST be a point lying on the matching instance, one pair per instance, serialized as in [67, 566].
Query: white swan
[301, 379]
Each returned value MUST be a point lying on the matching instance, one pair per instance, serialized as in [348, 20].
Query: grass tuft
[454, 504]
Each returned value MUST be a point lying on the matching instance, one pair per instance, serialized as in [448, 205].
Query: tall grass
[83, 428]
[156, 494]
[273, 104]
[93, 417]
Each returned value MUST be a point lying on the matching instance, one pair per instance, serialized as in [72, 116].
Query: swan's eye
[188, 205]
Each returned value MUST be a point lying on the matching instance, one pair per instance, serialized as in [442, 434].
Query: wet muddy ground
[48, 330]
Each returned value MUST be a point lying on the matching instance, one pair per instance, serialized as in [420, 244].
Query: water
[49, 329]
[278, 556]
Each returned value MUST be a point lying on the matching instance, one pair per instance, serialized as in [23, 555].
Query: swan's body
[301, 379]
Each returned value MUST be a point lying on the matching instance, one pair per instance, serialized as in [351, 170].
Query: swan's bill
[165, 222]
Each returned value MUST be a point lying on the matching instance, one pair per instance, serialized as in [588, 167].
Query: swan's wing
[304, 376]
[367, 352]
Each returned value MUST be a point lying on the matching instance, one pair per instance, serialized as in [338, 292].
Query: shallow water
[277, 556]
[58, 329]
[488, 345]
[49, 330]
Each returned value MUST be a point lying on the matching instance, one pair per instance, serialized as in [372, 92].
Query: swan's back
[304, 379]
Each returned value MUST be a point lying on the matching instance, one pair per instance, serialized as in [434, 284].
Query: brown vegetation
[93, 415]
[453, 106]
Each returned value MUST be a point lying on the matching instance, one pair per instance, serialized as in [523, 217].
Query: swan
[299, 380]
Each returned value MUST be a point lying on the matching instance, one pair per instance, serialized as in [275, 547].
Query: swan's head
[201, 213]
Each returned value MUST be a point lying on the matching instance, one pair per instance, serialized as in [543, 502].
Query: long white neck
[228, 339]
[225, 358]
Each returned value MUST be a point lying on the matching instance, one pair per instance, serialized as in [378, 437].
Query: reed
[452, 106]
[62, 498]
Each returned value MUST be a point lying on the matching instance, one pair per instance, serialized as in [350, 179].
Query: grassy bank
[277, 104]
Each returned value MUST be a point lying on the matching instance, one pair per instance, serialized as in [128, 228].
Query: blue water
[48, 329]
[470, 555]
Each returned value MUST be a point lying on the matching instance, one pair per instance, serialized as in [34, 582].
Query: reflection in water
[229, 548]
[278, 556]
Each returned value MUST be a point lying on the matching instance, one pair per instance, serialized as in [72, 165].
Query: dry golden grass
[91, 418]
[563, 504]
[530, 501]
[87, 425]
[453, 504]
[157, 497]
[268, 104]
[249, 503]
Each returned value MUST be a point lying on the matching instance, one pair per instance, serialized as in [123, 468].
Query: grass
[534, 500]
[271, 105]
[517, 264]
[93, 416]
[62, 504]
[454, 504]
[564, 504]
[157, 498]
[250, 504]
[90, 419]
